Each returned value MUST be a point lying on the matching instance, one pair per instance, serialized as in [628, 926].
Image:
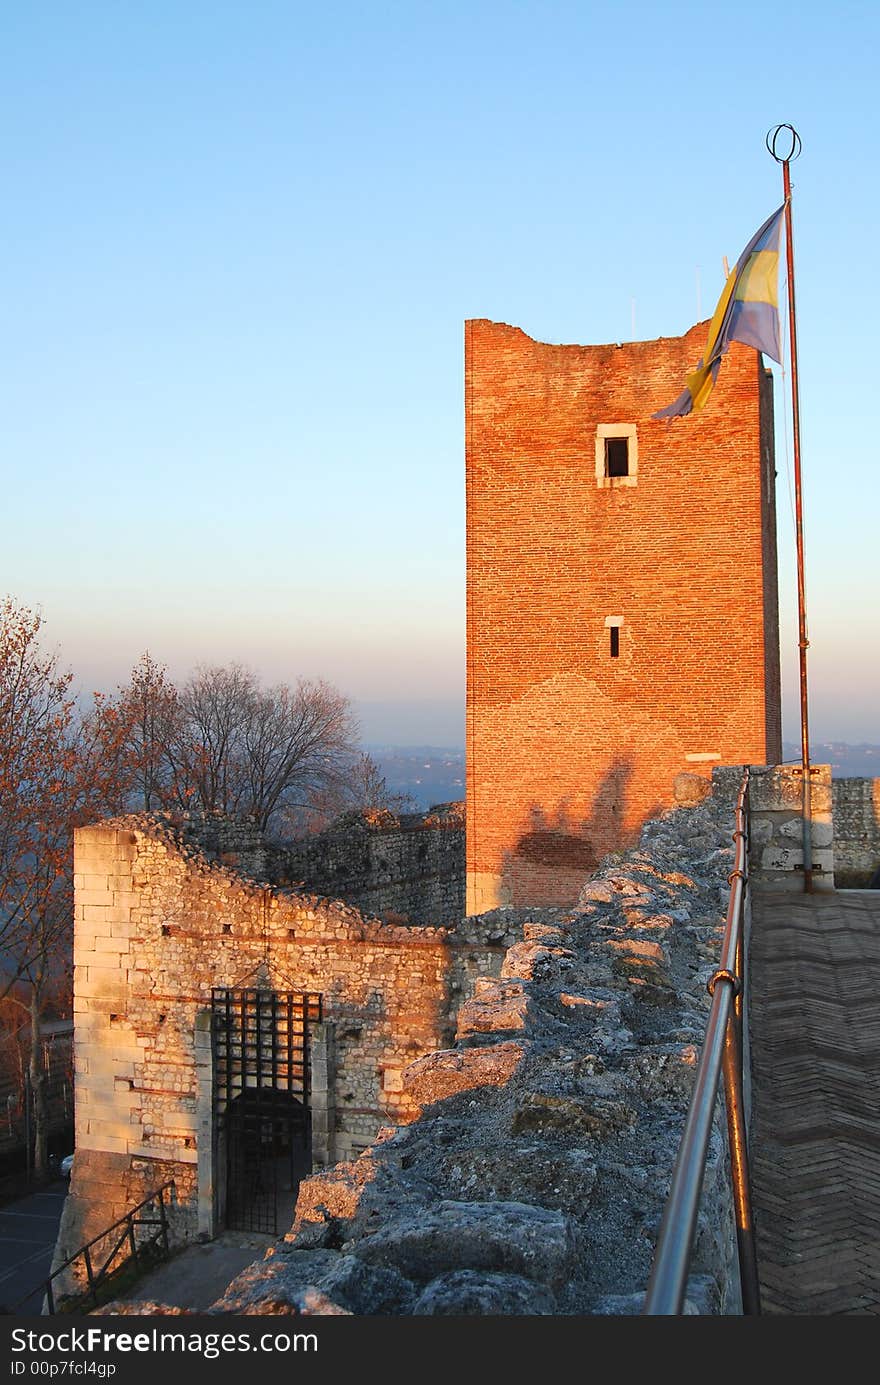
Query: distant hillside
[428, 773]
[847, 761]
[435, 774]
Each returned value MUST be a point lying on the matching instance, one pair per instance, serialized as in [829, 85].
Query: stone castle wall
[158, 924]
[776, 834]
[412, 867]
[570, 747]
[856, 831]
[534, 1178]
[845, 828]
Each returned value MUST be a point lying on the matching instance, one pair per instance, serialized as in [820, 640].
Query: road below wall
[28, 1231]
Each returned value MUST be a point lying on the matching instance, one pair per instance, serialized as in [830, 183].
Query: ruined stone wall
[534, 1179]
[856, 808]
[158, 924]
[411, 867]
[570, 748]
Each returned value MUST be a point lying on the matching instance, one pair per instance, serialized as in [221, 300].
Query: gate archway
[260, 1045]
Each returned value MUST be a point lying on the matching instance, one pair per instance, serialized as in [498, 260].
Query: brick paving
[815, 1030]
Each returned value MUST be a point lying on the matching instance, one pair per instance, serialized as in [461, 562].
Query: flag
[747, 311]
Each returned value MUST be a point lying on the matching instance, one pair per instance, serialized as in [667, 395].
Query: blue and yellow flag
[747, 311]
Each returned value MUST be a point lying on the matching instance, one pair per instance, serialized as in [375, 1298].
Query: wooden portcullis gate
[261, 1099]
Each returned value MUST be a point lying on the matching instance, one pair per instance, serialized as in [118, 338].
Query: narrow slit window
[614, 632]
[617, 456]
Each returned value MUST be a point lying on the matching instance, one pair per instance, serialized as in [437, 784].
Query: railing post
[163, 1217]
[739, 1167]
[90, 1275]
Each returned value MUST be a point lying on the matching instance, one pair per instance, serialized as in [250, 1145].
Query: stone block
[112, 1138]
[97, 912]
[446, 1072]
[291, 1278]
[104, 983]
[115, 946]
[595, 1116]
[127, 899]
[496, 1007]
[689, 789]
[511, 1237]
[779, 858]
[777, 788]
[469, 1293]
[821, 831]
[88, 883]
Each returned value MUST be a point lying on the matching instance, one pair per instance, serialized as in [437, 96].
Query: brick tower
[622, 619]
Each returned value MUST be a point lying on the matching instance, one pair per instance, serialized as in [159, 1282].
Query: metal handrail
[101, 1274]
[722, 1052]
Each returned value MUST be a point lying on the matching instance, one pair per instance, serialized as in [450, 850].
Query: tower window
[617, 455]
[612, 625]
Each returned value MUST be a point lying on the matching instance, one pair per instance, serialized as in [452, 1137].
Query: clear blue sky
[239, 244]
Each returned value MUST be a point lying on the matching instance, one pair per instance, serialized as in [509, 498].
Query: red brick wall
[570, 750]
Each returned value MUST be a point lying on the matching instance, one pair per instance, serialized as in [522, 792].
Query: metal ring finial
[792, 138]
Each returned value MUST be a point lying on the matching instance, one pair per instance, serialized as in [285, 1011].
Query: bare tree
[207, 750]
[360, 786]
[297, 740]
[225, 743]
[367, 788]
[235, 747]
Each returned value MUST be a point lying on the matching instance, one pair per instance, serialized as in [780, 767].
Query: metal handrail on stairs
[152, 1212]
[722, 1052]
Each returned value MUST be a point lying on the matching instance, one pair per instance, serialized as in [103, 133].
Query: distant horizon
[439, 722]
[233, 345]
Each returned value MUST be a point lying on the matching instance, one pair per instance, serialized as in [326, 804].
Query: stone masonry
[856, 831]
[776, 839]
[534, 1177]
[408, 865]
[159, 923]
[411, 866]
[621, 629]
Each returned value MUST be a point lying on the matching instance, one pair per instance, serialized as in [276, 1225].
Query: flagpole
[791, 140]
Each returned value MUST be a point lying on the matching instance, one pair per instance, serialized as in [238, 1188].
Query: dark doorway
[261, 1101]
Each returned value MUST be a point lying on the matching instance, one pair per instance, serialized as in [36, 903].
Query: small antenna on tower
[632, 314]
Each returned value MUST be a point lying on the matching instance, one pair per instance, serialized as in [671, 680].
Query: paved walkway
[196, 1277]
[815, 1026]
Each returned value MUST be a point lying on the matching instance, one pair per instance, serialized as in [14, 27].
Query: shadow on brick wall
[560, 849]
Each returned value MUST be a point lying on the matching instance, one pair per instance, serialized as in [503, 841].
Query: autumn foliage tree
[56, 769]
[222, 742]
[143, 724]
